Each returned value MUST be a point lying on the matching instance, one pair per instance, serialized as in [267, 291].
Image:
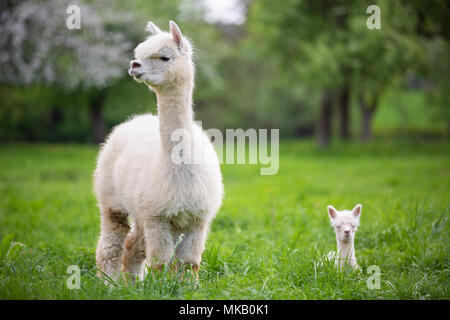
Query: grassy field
[267, 236]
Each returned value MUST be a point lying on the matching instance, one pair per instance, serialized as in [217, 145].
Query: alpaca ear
[332, 212]
[152, 28]
[176, 35]
[357, 210]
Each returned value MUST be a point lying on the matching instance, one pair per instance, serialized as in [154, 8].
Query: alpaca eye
[165, 58]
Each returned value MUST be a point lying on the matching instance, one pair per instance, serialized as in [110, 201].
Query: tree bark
[367, 112]
[344, 112]
[96, 114]
[366, 124]
[56, 118]
[324, 123]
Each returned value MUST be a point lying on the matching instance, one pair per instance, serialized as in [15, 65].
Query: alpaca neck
[174, 112]
[346, 252]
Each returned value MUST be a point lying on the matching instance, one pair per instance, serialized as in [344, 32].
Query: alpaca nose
[347, 232]
[134, 64]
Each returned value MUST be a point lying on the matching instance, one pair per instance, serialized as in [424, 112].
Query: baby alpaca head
[164, 59]
[345, 222]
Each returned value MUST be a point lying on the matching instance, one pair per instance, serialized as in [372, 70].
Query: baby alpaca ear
[357, 210]
[176, 35]
[153, 28]
[332, 212]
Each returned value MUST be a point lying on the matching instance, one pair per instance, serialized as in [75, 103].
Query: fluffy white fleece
[137, 178]
[345, 224]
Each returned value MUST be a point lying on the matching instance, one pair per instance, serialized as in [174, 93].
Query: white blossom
[37, 47]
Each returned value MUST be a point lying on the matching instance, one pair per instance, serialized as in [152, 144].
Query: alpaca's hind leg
[134, 251]
[159, 245]
[114, 229]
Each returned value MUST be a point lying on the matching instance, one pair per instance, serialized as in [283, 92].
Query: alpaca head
[345, 222]
[164, 59]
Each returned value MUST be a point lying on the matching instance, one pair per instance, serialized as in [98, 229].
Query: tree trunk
[324, 123]
[344, 112]
[96, 114]
[56, 118]
[366, 124]
[367, 112]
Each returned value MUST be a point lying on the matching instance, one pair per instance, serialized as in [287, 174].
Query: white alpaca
[136, 177]
[345, 224]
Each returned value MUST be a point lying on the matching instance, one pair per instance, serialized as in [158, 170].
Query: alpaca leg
[191, 248]
[114, 229]
[159, 245]
[134, 251]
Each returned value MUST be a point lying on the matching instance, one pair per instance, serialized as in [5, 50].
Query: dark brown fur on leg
[133, 254]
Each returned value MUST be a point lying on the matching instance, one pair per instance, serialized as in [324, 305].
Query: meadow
[267, 238]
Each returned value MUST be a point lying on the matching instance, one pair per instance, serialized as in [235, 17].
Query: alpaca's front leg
[134, 251]
[159, 245]
[191, 248]
[114, 229]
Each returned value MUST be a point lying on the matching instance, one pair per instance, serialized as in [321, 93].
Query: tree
[382, 57]
[343, 101]
[327, 44]
[310, 39]
[38, 48]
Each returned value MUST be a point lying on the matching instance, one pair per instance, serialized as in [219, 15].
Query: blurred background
[310, 68]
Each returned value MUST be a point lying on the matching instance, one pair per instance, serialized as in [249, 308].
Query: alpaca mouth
[135, 74]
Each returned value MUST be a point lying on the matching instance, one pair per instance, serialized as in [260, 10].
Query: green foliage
[410, 112]
[325, 46]
[328, 44]
[43, 114]
[268, 237]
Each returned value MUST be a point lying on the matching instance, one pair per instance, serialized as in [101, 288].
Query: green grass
[267, 236]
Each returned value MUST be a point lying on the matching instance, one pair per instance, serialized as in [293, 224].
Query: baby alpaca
[345, 223]
[137, 178]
